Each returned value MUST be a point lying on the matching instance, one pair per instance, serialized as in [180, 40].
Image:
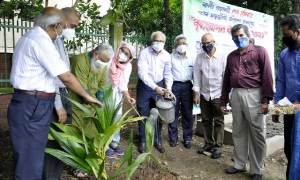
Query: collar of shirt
[215, 55]
[152, 51]
[249, 48]
[43, 32]
[187, 55]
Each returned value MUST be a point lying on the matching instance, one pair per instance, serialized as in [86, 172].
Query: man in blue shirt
[288, 75]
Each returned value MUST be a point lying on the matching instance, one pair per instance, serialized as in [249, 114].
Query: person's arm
[124, 85]
[60, 110]
[266, 77]
[197, 80]
[143, 70]
[72, 83]
[226, 87]
[280, 83]
[168, 72]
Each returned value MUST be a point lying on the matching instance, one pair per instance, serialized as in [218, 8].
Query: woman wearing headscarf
[118, 73]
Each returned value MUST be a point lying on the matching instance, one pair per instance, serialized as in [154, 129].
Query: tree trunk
[75, 4]
[168, 23]
[296, 7]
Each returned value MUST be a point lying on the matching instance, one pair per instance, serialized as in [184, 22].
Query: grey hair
[68, 11]
[181, 36]
[155, 33]
[105, 48]
[239, 26]
[45, 21]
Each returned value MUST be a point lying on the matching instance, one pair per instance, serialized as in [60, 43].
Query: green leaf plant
[83, 152]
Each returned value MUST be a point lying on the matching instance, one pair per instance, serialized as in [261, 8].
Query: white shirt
[209, 73]
[36, 62]
[123, 85]
[182, 69]
[154, 68]
[60, 47]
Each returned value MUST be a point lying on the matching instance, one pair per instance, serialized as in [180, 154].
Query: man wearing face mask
[182, 70]
[62, 107]
[288, 76]
[208, 78]
[91, 71]
[154, 66]
[36, 63]
[249, 73]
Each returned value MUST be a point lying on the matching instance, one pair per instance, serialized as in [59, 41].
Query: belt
[38, 93]
[181, 82]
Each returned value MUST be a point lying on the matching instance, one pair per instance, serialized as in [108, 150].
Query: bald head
[55, 11]
[207, 38]
[72, 17]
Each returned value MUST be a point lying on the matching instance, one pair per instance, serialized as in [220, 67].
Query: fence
[88, 37]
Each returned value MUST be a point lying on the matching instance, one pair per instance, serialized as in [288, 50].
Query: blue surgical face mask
[241, 42]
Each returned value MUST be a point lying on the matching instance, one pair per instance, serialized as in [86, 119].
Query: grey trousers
[248, 129]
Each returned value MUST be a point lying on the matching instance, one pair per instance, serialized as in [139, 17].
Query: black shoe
[204, 148]
[187, 144]
[257, 177]
[173, 143]
[142, 148]
[159, 147]
[233, 170]
[216, 154]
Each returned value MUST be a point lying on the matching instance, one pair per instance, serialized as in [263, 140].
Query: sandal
[79, 174]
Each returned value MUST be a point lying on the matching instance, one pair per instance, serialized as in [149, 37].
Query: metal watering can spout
[166, 108]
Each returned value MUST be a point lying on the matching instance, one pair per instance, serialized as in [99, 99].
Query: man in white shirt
[36, 63]
[182, 70]
[154, 66]
[208, 78]
[62, 112]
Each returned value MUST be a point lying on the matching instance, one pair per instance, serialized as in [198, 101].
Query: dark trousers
[52, 166]
[29, 119]
[146, 98]
[288, 121]
[184, 102]
[212, 121]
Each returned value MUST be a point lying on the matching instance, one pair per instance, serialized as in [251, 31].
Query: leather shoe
[173, 143]
[159, 147]
[257, 177]
[187, 144]
[142, 148]
[233, 170]
[216, 154]
[204, 148]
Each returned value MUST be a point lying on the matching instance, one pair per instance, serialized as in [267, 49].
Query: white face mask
[122, 57]
[100, 64]
[68, 34]
[181, 49]
[158, 46]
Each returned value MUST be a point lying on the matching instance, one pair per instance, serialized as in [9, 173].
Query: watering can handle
[167, 91]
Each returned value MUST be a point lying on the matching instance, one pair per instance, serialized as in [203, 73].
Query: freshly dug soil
[176, 163]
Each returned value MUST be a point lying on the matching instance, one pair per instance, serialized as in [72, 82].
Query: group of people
[42, 77]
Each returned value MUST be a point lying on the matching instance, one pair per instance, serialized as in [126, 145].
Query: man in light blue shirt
[182, 71]
[288, 76]
[154, 66]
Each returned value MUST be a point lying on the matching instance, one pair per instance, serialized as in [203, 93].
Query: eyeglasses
[128, 55]
[159, 41]
[184, 43]
[238, 36]
[205, 44]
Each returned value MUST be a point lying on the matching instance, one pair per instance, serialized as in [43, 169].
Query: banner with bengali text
[218, 18]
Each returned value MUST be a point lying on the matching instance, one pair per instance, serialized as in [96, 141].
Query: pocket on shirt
[251, 67]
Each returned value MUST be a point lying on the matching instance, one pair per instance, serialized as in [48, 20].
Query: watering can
[166, 108]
